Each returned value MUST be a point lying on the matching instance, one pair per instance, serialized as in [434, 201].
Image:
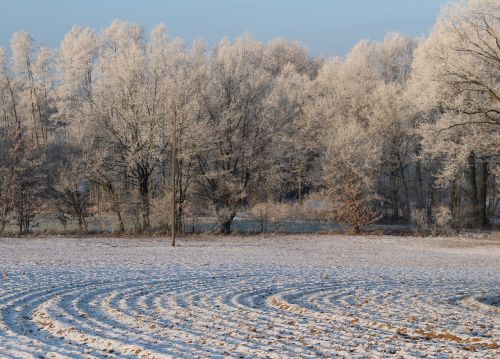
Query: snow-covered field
[295, 296]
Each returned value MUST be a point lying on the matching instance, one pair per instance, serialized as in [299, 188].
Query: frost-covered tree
[76, 63]
[237, 130]
[149, 128]
[297, 150]
[394, 57]
[26, 180]
[367, 89]
[10, 121]
[393, 125]
[351, 166]
[457, 71]
[71, 194]
[280, 53]
[129, 109]
[184, 73]
[26, 106]
[34, 84]
[9, 100]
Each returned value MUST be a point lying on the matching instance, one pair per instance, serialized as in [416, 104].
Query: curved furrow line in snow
[254, 312]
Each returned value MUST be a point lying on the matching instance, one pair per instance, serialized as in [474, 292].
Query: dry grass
[443, 335]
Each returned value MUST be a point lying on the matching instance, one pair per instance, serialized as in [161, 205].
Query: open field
[293, 296]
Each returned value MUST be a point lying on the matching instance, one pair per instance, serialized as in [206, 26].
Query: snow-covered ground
[294, 296]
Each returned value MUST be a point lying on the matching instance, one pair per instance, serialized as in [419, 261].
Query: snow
[284, 296]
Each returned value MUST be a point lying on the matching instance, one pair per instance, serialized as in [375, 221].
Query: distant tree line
[136, 126]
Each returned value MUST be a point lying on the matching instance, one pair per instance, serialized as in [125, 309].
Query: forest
[152, 133]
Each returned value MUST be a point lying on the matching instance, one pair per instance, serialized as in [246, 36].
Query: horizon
[326, 28]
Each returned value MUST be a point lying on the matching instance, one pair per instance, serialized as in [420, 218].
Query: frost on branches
[120, 128]
[457, 73]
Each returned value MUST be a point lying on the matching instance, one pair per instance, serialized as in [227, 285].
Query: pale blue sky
[326, 27]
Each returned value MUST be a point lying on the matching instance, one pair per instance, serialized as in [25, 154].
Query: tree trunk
[454, 198]
[482, 193]
[21, 222]
[180, 218]
[394, 195]
[82, 223]
[407, 194]
[299, 189]
[143, 179]
[75, 200]
[174, 221]
[225, 224]
[3, 220]
[225, 227]
[120, 219]
[356, 229]
[418, 174]
[144, 192]
[431, 198]
[116, 208]
[473, 195]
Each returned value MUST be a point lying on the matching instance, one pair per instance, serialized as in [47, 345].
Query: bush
[419, 217]
[443, 216]
[274, 212]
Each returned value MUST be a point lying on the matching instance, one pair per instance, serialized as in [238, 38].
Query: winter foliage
[118, 121]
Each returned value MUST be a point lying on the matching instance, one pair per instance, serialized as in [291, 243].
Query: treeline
[138, 126]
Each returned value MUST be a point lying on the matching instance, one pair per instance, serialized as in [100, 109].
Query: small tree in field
[355, 208]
